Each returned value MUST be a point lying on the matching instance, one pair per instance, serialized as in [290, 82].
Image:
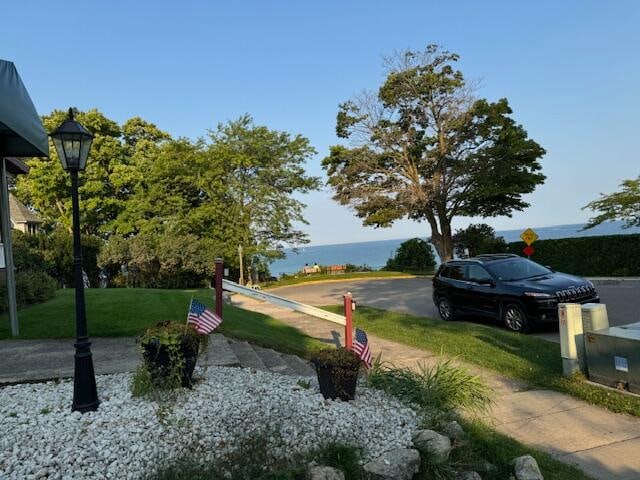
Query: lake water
[375, 254]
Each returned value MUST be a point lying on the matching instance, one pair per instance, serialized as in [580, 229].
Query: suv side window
[477, 274]
[455, 272]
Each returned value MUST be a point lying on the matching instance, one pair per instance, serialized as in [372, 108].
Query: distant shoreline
[609, 228]
[375, 253]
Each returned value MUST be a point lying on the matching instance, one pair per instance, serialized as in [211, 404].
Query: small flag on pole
[361, 347]
[204, 319]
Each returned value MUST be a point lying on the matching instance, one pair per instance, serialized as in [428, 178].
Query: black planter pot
[158, 358]
[336, 381]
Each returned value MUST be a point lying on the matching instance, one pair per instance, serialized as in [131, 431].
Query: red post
[218, 286]
[348, 315]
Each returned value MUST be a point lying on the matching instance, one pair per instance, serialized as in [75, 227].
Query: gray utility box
[613, 356]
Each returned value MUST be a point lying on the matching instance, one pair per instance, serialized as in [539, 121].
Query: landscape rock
[454, 431]
[467, 476]
[398, 464]
[526, 468]
[321, 472]
[127, 437]
[434, 445]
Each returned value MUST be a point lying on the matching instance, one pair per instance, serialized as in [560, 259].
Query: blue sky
[570, 70]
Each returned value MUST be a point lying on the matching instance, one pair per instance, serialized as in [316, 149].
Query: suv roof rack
[493, 256]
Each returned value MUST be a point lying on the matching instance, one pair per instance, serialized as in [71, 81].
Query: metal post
[348, 315]
[218, 286]
[241, 279]
[8, 251]
[85, 394]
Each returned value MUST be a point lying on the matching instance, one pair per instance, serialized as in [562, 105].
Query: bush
[166, 349]
[31, 287]
[350, 268]
[415, 255]
[443, 387]
[610, 255]
[478, 239]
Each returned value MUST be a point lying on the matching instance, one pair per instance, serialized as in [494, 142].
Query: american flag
[204, 319]
[361, 347]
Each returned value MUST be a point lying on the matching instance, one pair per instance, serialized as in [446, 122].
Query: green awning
[21, 131]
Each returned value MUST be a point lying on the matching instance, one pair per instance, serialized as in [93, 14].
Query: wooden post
[348, 315]
[218, 286]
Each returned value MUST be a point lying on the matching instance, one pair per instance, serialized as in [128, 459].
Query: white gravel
[127, 438]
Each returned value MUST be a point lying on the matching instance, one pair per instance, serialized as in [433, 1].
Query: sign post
[529, 236]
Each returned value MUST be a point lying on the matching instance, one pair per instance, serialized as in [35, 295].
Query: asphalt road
[413, 295]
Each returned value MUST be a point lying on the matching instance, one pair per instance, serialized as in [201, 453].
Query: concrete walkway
[603, 444]
[38, 360]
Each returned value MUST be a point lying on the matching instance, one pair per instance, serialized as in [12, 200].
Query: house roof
[19, 213]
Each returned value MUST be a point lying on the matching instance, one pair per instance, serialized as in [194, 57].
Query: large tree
[623, 205]
[237, 187]
[107, 183]
[424, 147]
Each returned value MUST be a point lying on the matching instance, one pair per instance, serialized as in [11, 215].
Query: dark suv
[512, 289]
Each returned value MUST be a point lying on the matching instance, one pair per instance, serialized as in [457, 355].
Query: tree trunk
[441, 237]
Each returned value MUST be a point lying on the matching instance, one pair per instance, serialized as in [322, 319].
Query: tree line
[163, 208]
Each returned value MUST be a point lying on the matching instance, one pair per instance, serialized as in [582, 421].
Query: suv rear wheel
[514, 318]
[445, 309]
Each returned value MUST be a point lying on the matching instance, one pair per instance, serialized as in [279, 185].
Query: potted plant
[337, 370]
[170, 351]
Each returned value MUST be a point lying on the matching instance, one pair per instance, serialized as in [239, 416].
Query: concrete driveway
[413, 295]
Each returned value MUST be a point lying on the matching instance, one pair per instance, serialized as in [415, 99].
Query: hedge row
[611, 255]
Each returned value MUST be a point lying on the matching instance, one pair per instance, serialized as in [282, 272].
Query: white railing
[283, 302]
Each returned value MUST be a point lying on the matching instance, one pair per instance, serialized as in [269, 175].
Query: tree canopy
[414, 255]
[423, 147]
[623, 205]
[165, 208]
[478, 238]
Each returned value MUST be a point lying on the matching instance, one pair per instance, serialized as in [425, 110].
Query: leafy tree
[425, 148]
[105, 186]
[413, 255]
[623, 205]
[195, 201]
[478, 238]
[262, 169]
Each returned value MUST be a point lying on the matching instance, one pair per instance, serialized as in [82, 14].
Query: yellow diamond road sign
[529, 236]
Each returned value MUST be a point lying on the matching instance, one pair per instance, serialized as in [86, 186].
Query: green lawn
[324, 277]
[122, 312]
[127, 312]
[534, 360]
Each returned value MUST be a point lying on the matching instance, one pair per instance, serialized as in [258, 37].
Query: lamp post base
[85, 393]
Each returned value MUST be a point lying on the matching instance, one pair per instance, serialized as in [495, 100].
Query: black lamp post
[72, 142]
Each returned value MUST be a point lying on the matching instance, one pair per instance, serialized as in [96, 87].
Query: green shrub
[350, 268]
[478, 238]
[442, 387]
[173, 340]
[31, 287]
[609, 255]
[338, 357]
[415, 255]
[341, 456]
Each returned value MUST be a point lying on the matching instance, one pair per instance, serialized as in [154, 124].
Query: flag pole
[189, 311]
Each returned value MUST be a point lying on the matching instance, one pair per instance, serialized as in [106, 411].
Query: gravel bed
[127, 438]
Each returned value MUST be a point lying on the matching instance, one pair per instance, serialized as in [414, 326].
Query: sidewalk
[603, 444]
